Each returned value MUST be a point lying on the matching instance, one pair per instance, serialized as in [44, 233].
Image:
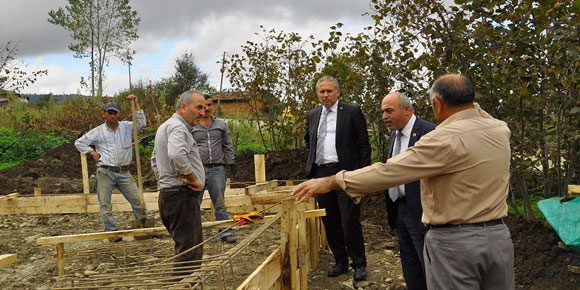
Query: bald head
[397, 110]
[454, 90]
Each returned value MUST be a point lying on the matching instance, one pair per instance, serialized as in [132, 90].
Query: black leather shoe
[360, 273]
[338, 269]
[229, 239]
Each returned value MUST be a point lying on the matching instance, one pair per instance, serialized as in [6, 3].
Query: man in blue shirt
[113, 153]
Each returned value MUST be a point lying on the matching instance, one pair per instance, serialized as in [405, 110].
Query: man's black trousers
[342, 223]
[180, 214]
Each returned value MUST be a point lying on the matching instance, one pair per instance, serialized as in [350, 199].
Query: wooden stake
[303, 251]
[260, 168]
[85, 173]
[60, 259]
[314, 238]
[37, 191]
[289, 245]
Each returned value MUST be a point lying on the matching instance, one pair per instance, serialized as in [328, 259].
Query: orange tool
[247, 218]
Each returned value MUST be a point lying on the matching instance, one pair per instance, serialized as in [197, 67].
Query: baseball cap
[111, 106]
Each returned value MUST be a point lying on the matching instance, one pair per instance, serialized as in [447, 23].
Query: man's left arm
[228, 146]
[362, 136]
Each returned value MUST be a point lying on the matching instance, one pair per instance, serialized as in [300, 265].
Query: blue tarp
[564, 218]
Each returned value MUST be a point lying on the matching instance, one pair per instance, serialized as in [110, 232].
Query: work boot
[360, 273]
[337, 270]
[229, 239]
[115, 240]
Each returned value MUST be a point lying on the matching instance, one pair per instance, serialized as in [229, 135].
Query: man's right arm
[83, 143]
[177, 150]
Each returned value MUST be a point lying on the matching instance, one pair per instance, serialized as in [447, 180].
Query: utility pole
[219, 111]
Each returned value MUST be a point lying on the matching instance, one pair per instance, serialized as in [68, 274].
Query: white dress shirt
[330, 155]
[406, 133]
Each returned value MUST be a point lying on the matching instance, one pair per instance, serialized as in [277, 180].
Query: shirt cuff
[339, 178]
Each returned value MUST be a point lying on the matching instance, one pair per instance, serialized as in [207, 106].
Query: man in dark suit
[336, 137]
[404, 209]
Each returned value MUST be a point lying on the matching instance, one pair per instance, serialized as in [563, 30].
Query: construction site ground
[539, 263]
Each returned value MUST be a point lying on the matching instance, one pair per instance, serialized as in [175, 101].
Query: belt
[116, 168]
[480, 224]
[181, 189]
[213, 165]
[330, 165]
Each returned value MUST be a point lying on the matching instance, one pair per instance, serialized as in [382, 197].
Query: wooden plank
[132, 233]
[315, 213]
[260, 168]
[7, 259]
[37, 191]
[85, 173]
[253, 189]
[574, 189]
[266, 275]
[88, 203]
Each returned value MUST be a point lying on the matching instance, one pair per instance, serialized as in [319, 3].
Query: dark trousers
[180, 214]
[342, 223]
[411, 237]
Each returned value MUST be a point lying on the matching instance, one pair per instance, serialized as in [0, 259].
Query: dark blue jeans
[215, 183]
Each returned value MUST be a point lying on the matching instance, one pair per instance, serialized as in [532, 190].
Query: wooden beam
[266, 275]
[85, 173]
[573, 190]
[260, 167]
[7, 259]
[258, 187]
[88, 203]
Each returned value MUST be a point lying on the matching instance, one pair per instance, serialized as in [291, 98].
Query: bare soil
[539, 263]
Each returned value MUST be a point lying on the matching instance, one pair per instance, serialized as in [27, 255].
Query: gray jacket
[214, 142]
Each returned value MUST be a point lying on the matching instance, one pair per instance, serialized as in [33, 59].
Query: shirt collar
[334, 107]
[409, 127]
[182, 120]
[465, 114]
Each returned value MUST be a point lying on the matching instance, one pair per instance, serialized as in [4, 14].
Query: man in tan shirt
[464, 169]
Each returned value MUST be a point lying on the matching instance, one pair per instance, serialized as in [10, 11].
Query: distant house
[5, 96]
[233, 103]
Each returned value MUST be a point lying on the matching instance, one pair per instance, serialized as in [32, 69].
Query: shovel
[143, 222]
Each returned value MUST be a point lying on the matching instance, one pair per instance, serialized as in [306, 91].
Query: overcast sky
[167, 29]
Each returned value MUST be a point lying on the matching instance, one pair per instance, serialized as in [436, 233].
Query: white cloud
[167, 29]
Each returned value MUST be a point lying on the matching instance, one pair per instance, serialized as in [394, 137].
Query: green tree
[100, 29]
[276, 77]
[188, 76]
[12, 74]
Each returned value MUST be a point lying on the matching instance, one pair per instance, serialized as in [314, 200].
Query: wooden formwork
[287, 266]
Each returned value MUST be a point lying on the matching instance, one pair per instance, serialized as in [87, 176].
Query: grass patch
[17, 146]
[8, 164]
